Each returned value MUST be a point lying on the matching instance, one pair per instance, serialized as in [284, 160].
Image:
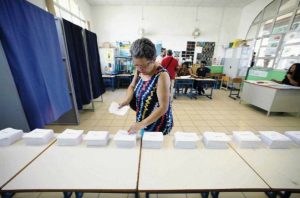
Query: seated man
[184, 70]
[201, 72]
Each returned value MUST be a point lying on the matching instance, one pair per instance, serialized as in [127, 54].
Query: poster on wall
[207, 52]
[124, 48]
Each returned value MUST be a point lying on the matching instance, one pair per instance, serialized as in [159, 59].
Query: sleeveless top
[147, 101]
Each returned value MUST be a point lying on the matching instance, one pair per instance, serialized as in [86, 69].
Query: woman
[151, 88]
[293, 75]
[184, 71]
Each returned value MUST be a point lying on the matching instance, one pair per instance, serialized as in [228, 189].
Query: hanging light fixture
[141, 30]
[196, 32]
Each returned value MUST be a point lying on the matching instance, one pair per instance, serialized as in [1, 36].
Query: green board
[271, 74]
[216, 69]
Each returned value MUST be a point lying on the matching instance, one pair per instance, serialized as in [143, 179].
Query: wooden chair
[224, 81]
[235, 88]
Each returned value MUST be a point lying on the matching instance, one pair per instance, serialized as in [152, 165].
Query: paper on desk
[185, 77]
[114, 109]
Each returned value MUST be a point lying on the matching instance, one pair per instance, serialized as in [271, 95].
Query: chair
[224, 80]
[235, 88]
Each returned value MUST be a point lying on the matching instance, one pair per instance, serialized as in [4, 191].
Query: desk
[271, 98]
[15, 157]
[189, 82]
[126, 77]
[170, 170]
[280, 168]
[110, 80]
[81, 168]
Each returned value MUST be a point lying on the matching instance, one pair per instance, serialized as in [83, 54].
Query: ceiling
[187, 3]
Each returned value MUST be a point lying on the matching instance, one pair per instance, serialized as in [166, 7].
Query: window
[271, 9]
[69, 10]
[252, 32]
[265, 28]
[287, 5]
[296, 22]
[281, 23]
[258, 17]
[266, 63]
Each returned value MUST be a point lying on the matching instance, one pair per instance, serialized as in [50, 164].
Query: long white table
[197, 170]
[271, 97]
[15, 157]
[80, 168]
[280, 168]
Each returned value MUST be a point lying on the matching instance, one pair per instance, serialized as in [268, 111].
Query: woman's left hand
[136, 127]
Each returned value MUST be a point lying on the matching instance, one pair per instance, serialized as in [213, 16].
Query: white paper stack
[69, 137]
[97, 138]
[246, 139]
[215, 140]
[185, 140]
[38, 136]
[125, 140]
[9, 136]
[114, 109]
[294, 135]
[153, 140]
[275, 140]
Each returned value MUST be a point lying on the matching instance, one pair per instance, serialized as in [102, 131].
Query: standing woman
[151, 88]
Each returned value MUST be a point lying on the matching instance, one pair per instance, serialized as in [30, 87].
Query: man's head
[163, 52]
[203, 63]
[169, 52]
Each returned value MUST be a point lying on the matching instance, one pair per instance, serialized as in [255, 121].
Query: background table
[81, 168]
[15, 157]
[197, 170]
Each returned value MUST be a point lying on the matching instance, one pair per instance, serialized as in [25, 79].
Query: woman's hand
[123, 103]
[136, 127]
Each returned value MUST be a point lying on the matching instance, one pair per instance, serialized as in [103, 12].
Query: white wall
[173, 26]
[85, 8]
[249, 13]
[39, 3]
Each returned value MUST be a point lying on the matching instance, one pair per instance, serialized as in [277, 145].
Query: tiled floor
[221, 114]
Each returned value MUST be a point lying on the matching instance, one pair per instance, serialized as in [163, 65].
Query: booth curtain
[78, 63]
[30, 42]
[94, 63]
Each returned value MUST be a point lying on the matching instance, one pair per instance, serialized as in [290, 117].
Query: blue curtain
[94, 63]
[30, 41]
[78, 63]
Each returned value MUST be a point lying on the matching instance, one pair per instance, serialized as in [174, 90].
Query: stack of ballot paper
[185, 140]
[97, 138]
[185, 77]
[69, 137]
[246, 139]
[153, 140]
[38, 136]
[123, 139]
[9, 136]
[217, 140]
[294, 135]
[275, 140]
[114, 109]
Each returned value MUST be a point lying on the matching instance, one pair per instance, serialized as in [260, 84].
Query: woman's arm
[130, 91]
[163, 94]
[292, 81]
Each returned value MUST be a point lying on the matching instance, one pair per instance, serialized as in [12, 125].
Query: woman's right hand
[123, 103]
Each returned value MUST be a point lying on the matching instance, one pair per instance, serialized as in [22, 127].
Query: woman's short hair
[143, 48]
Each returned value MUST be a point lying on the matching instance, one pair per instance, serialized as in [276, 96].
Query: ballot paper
[69, 137]
[185, 77]
[275, 140]
[294, 135]
[38, 136]
[9, 136]
[114, 109]
[125, 140]
[153, 140]
[215, 140]
[97, 138]
[185, 140]
[246, 139]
